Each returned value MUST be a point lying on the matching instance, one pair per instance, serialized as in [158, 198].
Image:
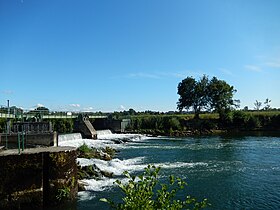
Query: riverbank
[197, 133]
[210, 124]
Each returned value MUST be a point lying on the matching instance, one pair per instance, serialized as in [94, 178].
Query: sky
[112, 55]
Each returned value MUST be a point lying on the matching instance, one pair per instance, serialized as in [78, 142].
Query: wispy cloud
[122, 108]
[179, 74]
[36, 106]
[226, 71]
[164, 74]
[88, 109]
[75, 105]
[273, 64]
[7, 92]
[254, 68]
[143, 75]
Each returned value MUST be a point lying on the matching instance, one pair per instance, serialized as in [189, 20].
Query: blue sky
[109, 55]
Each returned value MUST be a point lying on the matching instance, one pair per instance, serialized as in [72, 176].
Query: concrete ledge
[35, 177]
[45, 139]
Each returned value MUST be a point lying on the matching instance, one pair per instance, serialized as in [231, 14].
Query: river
[231, 172]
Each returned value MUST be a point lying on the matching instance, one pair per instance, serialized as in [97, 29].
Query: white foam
[106, 140]
[116, 165]
[103, 132]
[103, 184]
[119, 166]
[69, 137]
[85, 195]
[89, 142]
[169, 165]
[124, 137]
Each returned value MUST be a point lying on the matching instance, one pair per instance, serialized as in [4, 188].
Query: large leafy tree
[205, 94]
[193, 94]
[220, 96]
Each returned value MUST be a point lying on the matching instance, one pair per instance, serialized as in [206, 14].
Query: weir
[69, 137]
[103, 132]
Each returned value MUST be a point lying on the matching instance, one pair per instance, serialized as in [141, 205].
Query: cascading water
[69, 137]
[104, 132]
[116, 166]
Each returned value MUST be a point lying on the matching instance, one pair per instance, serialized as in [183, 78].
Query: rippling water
[232, 172]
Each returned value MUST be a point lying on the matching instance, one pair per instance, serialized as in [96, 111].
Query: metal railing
[47, 116]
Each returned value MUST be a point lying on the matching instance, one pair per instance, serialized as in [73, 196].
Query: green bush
[63, 125]
[252, 122]
[63, 194]
[275, 122]
[140, 193]
[3, 123]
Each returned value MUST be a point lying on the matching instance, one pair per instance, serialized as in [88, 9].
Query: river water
[231, 172]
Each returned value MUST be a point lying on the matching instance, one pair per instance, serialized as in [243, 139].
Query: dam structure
[34, 171]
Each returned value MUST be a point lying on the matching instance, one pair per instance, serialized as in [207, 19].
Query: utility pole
[8, 119]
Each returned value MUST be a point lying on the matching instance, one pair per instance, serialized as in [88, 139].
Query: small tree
[267, 104]
[258, 105]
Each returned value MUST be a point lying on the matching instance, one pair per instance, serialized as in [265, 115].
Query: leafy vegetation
[145, 192]
[186, 124]
[63, 193]
[63, 125]
[3, 123]
[103, 153]
[205, 94]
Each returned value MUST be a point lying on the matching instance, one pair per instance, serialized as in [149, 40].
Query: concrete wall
[44, 139]
[83, 125]
[36, 177]
[117, 126]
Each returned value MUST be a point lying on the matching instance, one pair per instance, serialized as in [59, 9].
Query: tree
[221, 96]
[214, 95]
[42, 110]
[193, 94]
[267, 105]
[258, 105]
[132, 111]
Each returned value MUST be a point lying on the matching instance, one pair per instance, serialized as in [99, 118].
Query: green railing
[47, 116]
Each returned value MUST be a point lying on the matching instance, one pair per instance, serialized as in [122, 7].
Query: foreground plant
[140, 193]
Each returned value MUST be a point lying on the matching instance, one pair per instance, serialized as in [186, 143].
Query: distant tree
[42, 109]
[267, 104]
[206, 94]
[193, 94]
[246, 108]
[258, 105]
[132, 112]
[221, 96]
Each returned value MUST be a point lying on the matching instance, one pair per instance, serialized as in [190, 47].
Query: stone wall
[38, 177]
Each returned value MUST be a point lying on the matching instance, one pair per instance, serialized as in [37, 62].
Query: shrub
[252, 122]
[140, 193]
[174, 123]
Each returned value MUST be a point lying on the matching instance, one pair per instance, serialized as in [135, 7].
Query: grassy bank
[185, 124]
